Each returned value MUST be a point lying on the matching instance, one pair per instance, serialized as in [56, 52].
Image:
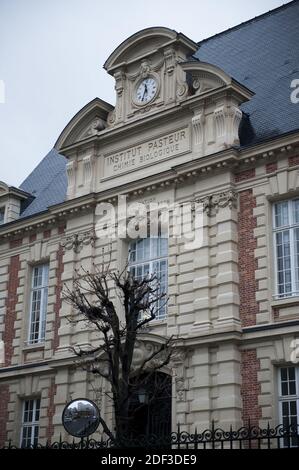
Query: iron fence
[250, 437]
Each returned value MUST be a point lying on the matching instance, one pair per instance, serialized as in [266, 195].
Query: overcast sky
[52, 53]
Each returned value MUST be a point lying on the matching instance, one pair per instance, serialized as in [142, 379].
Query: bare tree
[112, 356]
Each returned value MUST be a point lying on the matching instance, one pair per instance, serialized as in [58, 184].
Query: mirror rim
[81, 399]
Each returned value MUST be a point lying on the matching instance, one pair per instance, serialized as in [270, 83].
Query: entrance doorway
[150, 407]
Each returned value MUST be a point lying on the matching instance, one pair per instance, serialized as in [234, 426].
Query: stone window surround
[287, 397]
[3, 211]
[275, 188]
[123, 250]
[291, 225]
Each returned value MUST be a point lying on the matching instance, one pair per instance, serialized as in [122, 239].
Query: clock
[146, 90]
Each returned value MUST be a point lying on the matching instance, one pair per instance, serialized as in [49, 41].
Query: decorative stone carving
[227, 121]
[219, 116]
[70, 171]
[76, 241]
[204, 81]
[178, 363]
[87, 168]
[170, 60]
[143, 350]
[197, 123]
[144, 69]
[236, 119]
[119, 82]
[94, 128]
[217, 201]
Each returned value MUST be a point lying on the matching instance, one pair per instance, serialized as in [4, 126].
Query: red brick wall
[58, 291]
[47, 234]
[245, 175]
[10, 303]
[4, 398]
[51, 410]
[32, 238]
[15, 243]
[271, 167]
[250, 388]
[294, 160]
[247, 262]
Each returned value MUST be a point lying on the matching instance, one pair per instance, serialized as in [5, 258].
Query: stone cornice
[213, 337]
[233, 158]
[159, 116]
[267, 150]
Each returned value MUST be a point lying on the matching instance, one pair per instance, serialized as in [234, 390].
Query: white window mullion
[38, 303]
[148, 255]
[293, 271]
[30, 422]
[285, 225]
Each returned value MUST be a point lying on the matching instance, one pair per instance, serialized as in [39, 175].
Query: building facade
[207, 125]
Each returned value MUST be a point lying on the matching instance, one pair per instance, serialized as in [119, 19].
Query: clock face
[146, 90]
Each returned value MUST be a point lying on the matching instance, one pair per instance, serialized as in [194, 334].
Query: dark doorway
[150, 407]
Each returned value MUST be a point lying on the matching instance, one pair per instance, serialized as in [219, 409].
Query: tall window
[30, 422]
[286, 241]
[2, 215]
[38, 303]
[289, 398]
[149, 256]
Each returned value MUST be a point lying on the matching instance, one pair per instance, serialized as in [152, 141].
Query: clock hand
[144, 92]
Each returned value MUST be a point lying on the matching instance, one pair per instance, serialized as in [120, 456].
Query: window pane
[39, 300]
[284, 274]
[293, 408]
[291, 373]
[31, 413]
[2, 213]
[151, 250]
[284, 373]
[285, 408]
[281, 214]
[296, 211]
[296, 256]
[292, 388]
[284, 388]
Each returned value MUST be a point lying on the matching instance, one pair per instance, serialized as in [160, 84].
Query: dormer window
[2, 215]
[10, 202]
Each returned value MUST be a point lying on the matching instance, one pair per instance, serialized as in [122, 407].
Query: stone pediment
[205, 77]
[88, 122]
[4, 189]
[147, 42]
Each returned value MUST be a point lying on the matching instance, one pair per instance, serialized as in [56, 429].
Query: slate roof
[262, 54]
[47, 183]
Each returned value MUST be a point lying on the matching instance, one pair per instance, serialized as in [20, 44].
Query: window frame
[151, 261]
[290, 227]
[33, 424]
[3, 210]
[287, 398]
[44, 287]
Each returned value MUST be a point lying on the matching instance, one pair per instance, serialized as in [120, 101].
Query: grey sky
[52, 52]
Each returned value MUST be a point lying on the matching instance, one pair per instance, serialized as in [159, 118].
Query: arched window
[149, 256]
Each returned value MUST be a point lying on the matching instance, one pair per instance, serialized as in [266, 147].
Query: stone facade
[180, 148]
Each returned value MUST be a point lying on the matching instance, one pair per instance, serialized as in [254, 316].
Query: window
[30, 422]
[286, 242]
[289, 399]
[148, 256]
[2, 215]
[38, 303]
